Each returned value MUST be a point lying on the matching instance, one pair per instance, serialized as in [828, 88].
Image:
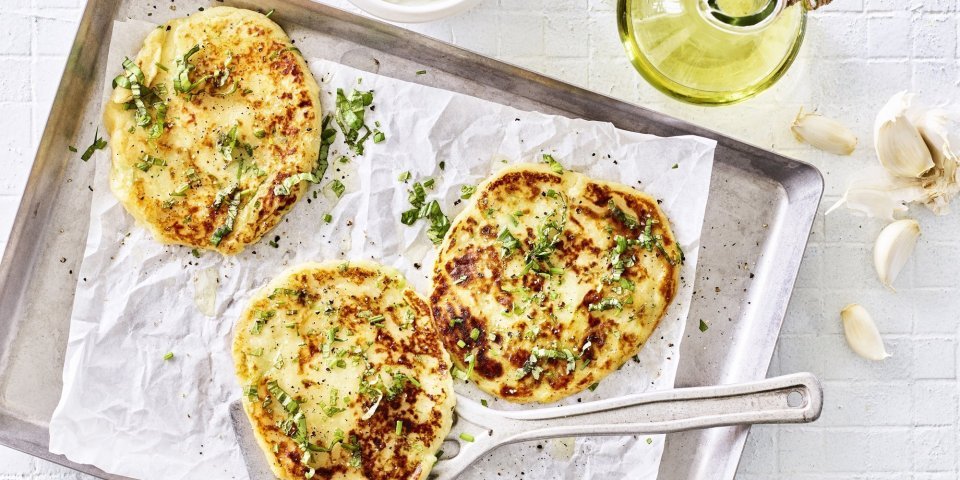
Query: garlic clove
[862, 334]
[940, 129]
[878, 194]
[893, 248]
[899, 146]
[824, 133]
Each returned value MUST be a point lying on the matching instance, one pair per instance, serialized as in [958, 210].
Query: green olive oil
[711, 52]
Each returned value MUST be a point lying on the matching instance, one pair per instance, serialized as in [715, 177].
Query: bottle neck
[743, 15]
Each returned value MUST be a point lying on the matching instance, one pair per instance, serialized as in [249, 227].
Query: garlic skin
[878, 194]
[824, 133]
[893, 248]
[900, 147]
[861, 333]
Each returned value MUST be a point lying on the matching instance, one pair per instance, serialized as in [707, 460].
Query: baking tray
[759, 216]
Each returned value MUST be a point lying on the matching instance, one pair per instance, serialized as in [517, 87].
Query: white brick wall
[892, 420]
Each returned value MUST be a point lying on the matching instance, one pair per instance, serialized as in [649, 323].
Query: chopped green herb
[421, 72]
[182, 82]
[675, 166]
[649, 440]
[508, 243]
[593, 386]
[703, 326]
[98, 144]
[466, 437]
[474, 334]
[461, 344]
[404, 177]
[232, 210]
[195, 253]
[288, 183]
[377, 320]
[467, 191]
[260, 133]
[483, 402]
[337, 187]
[399, 428]
[628, 220]
[349, 116]
[429, 183]
[554, 164]
[439, 223]
[378, 136]
[268, 14]
[327, 218]
[608, 303]
[72, 148]
[273, 243]
[168, 356]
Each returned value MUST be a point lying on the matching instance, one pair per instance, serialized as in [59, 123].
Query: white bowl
[416, 11]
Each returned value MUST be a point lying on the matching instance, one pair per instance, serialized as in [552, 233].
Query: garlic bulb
[925, 171]
[824, 133]
[862, 334]
[893, 248]
[900, 147]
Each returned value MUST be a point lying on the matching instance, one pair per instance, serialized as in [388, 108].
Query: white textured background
[892, 420]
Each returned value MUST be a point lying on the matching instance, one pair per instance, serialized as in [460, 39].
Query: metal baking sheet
[759, 216]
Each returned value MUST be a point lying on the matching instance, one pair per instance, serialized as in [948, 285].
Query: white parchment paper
[129, 412]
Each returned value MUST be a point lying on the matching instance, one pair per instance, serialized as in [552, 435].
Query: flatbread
[549, 280]
[213, 149]
[332, 357]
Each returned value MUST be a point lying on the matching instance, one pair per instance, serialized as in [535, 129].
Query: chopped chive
[483, 402]
[377, 319]
[474, 334]
[168, 356]
[378, 136]
[703, 326]
[593, 386]
[466, 437]
[421, 72]
[399, 428]
[328, 218]
[72, 148]
[461, 344]
[268, 14]
[404, 177]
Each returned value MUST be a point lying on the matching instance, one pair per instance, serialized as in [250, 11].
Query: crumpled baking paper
[128, 411]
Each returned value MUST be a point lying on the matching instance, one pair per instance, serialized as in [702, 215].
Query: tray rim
[21, 252]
